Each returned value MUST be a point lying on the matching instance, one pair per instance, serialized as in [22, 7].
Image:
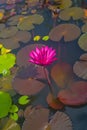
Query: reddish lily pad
[70, 32]
[54, 102]
[37, 120]
[60, 121]
[27, 86]
[75, 95]
[62, 74]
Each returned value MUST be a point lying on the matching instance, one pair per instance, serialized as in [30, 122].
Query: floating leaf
[62, 74]
[14, 20]
[23, 54]
[84, 28]
[8, 32]
[23, 100]
[73, 12]
[65, 4]
[83, 41]
[60, 121]
[27, 86]
[6, 62]
[37, 38]
[5, 101]
[13, 42]
[54, 102]
[6, 84]
[68, 31]
[45, 38]
[32, 122]
[14, 116]
[28, 22]
[75, 95]
[13, 108]
[4, 50]
[10, 125]
[80, 67]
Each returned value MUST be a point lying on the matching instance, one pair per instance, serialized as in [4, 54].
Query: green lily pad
[14, 116]
[5, 101]
[7, 61]
[13, 109]
[24, 100]
[45, 38]
[37, 38]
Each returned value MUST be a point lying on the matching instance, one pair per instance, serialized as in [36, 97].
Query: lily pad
[23, 100]
[37, 38]
[75, 95]
[5, 101]
[14, 20]
[69, 32]
[8, 32]
[45, 38]
[28, 22]
[7, 61]
[83, 41]
[14, 116]
[84, 28]
[73, 12]
[54, 102]
[80, 67]
[32, 122]
[62, 74]
[27, 86]
[9, 124]
[13, 109]
[23, 54]
[60, 121]
[65, 4]
[2, 26]
[13, 42]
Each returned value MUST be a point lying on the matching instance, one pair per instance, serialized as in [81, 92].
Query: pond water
[43, 65]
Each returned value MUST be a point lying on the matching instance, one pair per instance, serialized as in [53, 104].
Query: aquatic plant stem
[49, 82]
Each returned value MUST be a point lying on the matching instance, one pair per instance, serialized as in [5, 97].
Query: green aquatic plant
[7, 61]
[23, 100]
[6, 102]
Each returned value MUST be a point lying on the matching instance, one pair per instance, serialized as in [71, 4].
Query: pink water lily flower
[43, 56]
